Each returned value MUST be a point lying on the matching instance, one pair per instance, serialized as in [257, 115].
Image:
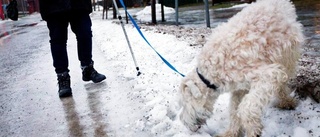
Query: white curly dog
[252, 56]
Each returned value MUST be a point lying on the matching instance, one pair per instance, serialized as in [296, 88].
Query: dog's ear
[193, 88]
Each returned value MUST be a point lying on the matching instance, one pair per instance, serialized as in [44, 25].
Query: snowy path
[124, 105]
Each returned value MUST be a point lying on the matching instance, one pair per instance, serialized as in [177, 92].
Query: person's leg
[58, 31]
[81, 26]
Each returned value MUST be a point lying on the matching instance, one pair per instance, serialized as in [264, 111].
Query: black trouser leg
[81, 26]
[58, 40]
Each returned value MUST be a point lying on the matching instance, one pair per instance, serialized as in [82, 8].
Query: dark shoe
[89, 73]
[64, 84]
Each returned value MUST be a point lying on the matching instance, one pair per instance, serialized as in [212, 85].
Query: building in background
[33, 6]
[24, 6]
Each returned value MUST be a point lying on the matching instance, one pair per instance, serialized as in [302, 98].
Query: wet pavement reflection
[80, 126]
[72, 117]
[309, 15]
[94, 102]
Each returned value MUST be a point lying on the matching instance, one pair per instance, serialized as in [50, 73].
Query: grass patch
[191, 5]
[222, 5]
[216, 6]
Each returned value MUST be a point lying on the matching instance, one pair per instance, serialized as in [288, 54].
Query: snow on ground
[148, 105]
[235, 6]
[156, 89]
[145, 14]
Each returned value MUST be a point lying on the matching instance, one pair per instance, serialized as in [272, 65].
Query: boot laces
[93, 73]
[64, 82]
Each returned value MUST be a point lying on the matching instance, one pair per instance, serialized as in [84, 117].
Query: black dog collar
[205, 81]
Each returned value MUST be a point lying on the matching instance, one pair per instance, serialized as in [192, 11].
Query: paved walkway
[28, 104]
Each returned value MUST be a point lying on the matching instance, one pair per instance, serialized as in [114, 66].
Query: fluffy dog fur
[252, 56]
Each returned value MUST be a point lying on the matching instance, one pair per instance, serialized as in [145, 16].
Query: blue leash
[138, 29]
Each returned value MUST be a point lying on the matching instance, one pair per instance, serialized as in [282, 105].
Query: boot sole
[97, 81]
[65, 93]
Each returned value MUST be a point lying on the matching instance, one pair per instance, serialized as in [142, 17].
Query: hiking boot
[89, 73]
[64, 84]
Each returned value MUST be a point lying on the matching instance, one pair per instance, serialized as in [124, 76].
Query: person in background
[12, 10]
[59, 14]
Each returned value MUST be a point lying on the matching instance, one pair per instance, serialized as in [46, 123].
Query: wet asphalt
[29, 102]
